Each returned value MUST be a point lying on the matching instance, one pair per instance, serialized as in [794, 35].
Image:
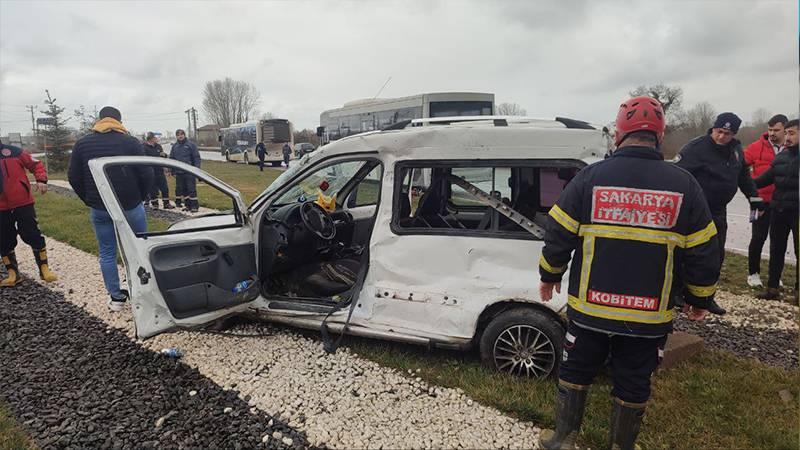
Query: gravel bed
[338, 400]
[74, 382]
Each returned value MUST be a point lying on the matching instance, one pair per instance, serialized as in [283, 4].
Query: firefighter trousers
[633, 360]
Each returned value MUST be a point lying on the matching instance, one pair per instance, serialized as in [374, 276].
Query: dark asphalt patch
[74, 382]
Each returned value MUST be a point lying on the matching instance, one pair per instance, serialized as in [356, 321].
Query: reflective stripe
[702, 291]
[666, 290]
[586, 265]
[702, 236]
[633, 234]
[611, 313]
[564, 219]
[546, 266]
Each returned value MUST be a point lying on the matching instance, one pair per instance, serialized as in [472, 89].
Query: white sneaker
[116, 305]
[754, 280]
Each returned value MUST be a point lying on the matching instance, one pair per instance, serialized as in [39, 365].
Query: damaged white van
[421, 234]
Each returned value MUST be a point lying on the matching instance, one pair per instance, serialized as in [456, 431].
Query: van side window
[430, 201]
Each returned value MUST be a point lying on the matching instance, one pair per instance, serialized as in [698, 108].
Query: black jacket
[130, 182]
[153, 150]
[637, 226]
[784, 173]
[718, 169]
[185, 152]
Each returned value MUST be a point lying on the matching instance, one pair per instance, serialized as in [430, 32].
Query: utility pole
[194, 122]
[33, 125]
[188, 122]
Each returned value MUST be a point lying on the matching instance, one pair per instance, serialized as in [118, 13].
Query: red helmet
[640, 114]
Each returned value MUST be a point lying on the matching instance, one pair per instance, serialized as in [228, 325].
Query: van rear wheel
[523, 342]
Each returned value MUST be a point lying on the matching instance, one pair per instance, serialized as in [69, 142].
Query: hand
[546, 290]
[694, 313]
[41, 187]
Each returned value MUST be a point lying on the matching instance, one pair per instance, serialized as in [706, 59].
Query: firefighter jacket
[639, 227]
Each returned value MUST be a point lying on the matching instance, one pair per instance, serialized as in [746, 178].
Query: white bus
[375, 114]
[238, 141]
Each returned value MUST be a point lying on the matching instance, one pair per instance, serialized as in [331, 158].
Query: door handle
[207, 250]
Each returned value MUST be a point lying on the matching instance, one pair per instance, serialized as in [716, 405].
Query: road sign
[46, 121]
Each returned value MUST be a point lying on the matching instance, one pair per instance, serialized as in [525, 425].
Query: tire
[541, 337]
[276, 163]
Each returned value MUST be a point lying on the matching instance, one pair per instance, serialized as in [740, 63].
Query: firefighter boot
[194, 205]
[44, 268]
[714, 308]
[167, 204]
[178, 202]
[570, 403]
[626, 418]
[13, 278]
[154, 203]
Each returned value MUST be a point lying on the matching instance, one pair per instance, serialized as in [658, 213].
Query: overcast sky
[572, 58]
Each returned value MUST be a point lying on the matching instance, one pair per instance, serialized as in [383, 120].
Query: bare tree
[671, 97]
[510, 109]
[229, 101]
[760, 118]
[700, 117]
[86, 120]
[268, 115]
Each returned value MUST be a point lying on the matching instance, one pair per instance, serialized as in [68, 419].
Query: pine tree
[56, 135]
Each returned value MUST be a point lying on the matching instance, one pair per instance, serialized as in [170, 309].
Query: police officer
[633, 221]
[153, 148]
[717, 162]
[185, 183]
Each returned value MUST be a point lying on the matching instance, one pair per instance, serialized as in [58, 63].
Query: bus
[238, 141]
[378, 113]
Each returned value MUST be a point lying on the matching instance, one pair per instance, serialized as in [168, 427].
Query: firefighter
[638, 227]
[185, 183]
[17, 213]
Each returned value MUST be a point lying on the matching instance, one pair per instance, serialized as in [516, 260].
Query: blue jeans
[107, 243]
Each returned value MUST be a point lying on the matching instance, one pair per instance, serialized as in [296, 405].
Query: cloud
[575, 59]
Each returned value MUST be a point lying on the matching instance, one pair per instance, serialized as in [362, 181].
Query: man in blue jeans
[131, 184]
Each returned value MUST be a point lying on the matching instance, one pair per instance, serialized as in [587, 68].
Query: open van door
[184, 276]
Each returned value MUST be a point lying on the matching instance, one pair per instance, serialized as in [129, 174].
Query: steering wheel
[317, 220]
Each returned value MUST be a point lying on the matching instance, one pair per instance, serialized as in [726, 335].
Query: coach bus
[238, 141]
[375, 114]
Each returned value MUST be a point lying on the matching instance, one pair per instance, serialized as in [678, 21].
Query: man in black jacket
[151, 147]
[185, 183]
[131, 183]
[783, 172]
[630, 224]
[716, 160]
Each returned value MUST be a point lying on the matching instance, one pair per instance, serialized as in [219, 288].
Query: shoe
[770, 294]
[178, 203]
[44, 269]
[13, 278]
[115, 304]
[754, 280]
[714, 308]
[167, 204]
[626, 419]
[570, 403]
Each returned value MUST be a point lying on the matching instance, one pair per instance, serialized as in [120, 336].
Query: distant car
[302, 148]
[423, 235]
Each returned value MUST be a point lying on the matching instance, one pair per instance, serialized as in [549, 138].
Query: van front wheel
[523, 342]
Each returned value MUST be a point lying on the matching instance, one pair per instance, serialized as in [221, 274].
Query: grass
[12, 435]
[734, 275]
[699, 404]
[246, 178]
[67, 219]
